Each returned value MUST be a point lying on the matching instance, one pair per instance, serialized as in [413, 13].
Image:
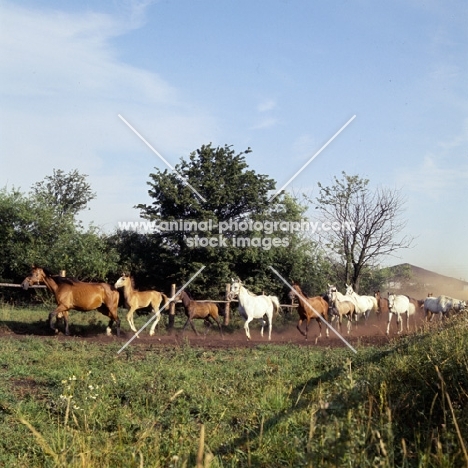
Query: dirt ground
[371, 332]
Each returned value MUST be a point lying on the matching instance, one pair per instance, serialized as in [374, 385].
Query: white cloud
[266, 106]
[62, 86]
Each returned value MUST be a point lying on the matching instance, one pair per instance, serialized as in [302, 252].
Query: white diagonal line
[162, 159]
[312, 158]
[316, 313]
[155, 315]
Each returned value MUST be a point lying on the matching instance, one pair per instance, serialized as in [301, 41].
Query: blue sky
[279, 76]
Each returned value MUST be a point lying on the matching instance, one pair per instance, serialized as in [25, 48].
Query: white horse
[252, 306]
[364, 304]
[441, 305]
[341, 305]
[399, 304]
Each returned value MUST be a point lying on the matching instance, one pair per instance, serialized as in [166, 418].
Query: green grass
[72, 402]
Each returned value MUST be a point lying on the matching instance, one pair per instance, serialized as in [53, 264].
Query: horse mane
[250, 292]
[64, 279]
[59, 279]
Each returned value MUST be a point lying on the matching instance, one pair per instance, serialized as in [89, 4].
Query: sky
[280, 77]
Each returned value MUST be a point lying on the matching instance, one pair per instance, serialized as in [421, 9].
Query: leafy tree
[31, 233]
[67, 193]
[368, 224]
[233, 194]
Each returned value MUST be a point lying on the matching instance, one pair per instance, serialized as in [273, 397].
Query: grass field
[76, 402]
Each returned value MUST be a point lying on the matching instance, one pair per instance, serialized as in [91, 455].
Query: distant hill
[418, 282]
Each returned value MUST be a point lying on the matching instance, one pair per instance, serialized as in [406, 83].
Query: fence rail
[11, 285]
[226, 302]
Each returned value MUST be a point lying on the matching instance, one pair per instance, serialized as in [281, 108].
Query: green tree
[32, 233]
[234, 194]
[67, 193]
[368, 224]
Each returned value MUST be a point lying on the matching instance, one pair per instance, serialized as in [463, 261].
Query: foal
[199, 310]
[139, 299]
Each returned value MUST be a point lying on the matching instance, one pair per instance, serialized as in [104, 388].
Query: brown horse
[199, 310]
[309, 308]
[139, 299]
[73, 294]
[382, 303]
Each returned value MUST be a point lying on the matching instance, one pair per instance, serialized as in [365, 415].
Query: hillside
[419, 282]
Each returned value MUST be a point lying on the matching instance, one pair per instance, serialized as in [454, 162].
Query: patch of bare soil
[371, 332]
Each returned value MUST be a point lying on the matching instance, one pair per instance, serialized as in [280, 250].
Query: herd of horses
[71, 293]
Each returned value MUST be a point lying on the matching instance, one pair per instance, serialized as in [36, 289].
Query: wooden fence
[226, 302]
[172, 306]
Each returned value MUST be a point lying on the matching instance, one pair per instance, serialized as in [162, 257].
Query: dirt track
[370, 333]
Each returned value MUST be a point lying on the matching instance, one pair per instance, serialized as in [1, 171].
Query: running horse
[199, 310]
[341, 306]
[73, 294]
[252, 306]
[364, 304]
[382, 303]
[398, 305]
[309, 308]
[135, 300]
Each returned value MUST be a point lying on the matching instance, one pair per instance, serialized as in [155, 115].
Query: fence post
[227, 305]
[172, 308]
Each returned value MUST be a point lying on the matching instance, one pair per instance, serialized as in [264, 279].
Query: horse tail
[276, 305]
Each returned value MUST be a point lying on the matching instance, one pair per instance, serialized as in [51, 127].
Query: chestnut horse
[73, 294]
[199, 310]
[135, 300]
[309, 308]
[382, 303]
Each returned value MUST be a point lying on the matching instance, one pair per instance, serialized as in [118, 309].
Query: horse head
[293, 292]
[236, 286]
[391, 300]
[331, 290]
[349, 289]
[37, 276]
[120, 283]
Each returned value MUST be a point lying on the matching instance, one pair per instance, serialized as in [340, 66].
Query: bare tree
[364, 224]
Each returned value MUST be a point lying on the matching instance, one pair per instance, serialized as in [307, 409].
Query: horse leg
[400, 323]
[192, 325]
[298, 326]
[307, 327]
[246, 327]
[270, 326]
[156, 320]
[117, 323]
[130, 319]
[219, 325]
[60, 311]
[207, 321]
[389, 321]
